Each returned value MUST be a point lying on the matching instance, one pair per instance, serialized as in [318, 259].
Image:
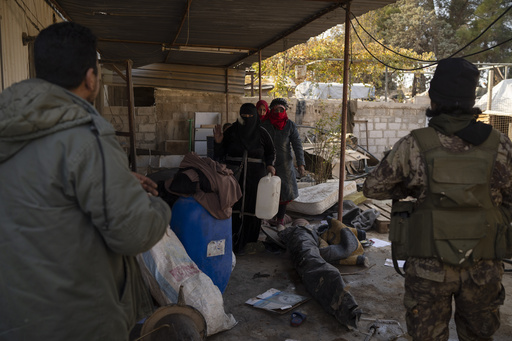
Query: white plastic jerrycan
[267, 198]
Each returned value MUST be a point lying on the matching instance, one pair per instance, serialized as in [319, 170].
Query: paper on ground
[276, 301]
[389, 262]
[379, 242]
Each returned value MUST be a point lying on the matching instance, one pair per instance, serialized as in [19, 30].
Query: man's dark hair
[63, 53]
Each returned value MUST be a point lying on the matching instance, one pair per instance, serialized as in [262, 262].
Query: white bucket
[267, 198]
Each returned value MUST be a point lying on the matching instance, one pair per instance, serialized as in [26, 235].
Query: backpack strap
[427, 138]
[493, 141]
[395, 261]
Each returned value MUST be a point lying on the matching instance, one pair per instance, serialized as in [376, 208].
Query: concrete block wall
[383, 123]
[387, 122]
[145, 125]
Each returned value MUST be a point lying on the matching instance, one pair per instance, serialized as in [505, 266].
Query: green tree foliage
[445, 26]
[413, 24]
[421, 29]
[485, 13]
[323, 57]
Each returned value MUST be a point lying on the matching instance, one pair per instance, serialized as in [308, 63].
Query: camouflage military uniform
[430, 284]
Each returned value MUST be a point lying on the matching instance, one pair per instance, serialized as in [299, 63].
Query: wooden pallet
[384, 207]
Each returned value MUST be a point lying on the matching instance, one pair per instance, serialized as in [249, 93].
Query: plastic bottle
[267, 197]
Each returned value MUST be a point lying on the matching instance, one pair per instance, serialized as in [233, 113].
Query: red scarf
[258, 105]
[278, 119]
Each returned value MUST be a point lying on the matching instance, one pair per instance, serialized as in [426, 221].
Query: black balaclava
[454, 83]
[454, 86]
[248, 124]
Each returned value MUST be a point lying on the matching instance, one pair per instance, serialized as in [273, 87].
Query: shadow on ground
[377, 289]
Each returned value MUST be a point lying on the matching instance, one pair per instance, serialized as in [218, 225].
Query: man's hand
[271, 169]
[149, 185]
[218, 136]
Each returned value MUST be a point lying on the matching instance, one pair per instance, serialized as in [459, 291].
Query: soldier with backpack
[456, 232]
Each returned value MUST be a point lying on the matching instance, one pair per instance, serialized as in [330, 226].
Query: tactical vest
[457, 222]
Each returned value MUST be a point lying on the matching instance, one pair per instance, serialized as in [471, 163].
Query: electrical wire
[26, 14]
[487, 49]
[432, 63]
[380, 61]
[33, 15]
[481, 34]
[384, 46]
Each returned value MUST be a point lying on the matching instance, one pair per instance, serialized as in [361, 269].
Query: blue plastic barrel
[207, 240]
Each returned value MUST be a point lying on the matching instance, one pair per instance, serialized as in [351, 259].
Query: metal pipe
[490, 84]
[227, 98]
[1, 57]
[386, 85]
[131, 114]
[259, 75]
[344, 109]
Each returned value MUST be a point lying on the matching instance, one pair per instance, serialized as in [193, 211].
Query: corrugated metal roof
[155, 31]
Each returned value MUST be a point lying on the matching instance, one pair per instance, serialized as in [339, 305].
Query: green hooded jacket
[71, 218]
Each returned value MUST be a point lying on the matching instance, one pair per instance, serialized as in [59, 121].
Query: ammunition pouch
[399, 228]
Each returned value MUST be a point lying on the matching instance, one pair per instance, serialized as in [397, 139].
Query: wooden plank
[383, 207]
[356, 197]
[384, 214]
[381, 224]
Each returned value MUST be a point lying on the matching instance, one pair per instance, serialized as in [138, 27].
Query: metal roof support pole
[386, 87]
[227, 99]
[490, 84]
[259, 74]
[344, 109]
[131, 114]
[1, 59]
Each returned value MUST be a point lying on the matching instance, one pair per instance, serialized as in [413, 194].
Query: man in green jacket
[72, 216]
[459, 171]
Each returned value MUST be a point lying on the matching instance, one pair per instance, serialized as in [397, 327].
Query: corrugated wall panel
[183, 77]
[18, 17]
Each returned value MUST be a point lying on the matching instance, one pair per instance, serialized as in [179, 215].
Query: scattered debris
[277, 301]
[260, 275]
[297, 318]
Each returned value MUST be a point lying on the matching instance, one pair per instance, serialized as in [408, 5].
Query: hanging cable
[26, 14]
[427, 61]
[487, 49]
[486, 29]
[380, 61]
[384, 46]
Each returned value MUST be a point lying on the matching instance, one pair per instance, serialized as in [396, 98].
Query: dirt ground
[378, 290]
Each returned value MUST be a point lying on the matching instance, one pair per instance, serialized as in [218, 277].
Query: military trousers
[431, 287]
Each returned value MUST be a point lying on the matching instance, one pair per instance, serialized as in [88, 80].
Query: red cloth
[260, 103]
[278, 119]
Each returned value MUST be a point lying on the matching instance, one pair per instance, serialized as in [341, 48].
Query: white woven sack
[167, 266]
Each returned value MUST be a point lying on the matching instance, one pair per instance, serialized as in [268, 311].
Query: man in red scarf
[286, 139]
